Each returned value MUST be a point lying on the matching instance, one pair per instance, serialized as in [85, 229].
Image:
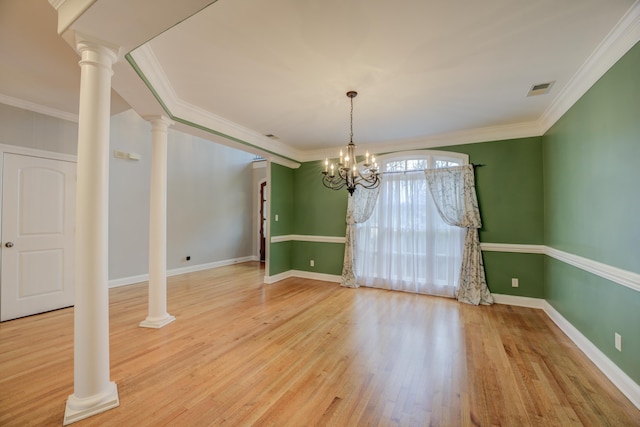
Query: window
[405, 245]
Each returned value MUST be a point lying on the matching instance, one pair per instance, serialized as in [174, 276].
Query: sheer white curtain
[405, 245]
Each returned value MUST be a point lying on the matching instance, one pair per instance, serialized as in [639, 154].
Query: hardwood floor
[303, 353]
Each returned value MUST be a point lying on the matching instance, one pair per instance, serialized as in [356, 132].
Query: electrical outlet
[276, 217]
[187, 258]
[514, 282]
[618, 341]
[312, 263]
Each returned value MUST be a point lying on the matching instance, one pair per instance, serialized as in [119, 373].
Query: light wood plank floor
[304, 353]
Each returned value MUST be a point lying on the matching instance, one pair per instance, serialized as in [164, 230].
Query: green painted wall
[281, 200]
[501, 267]
[592, 171]
[509, 189]
[598, 308]
[279, 257]
[328, 257]
[319, 211]
[282, 196]
[591, 178]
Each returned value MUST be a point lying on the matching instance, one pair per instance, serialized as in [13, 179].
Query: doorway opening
[263, 221]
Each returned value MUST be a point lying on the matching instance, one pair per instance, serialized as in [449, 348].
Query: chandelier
[348, 173]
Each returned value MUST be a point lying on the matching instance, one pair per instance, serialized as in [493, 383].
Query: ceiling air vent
[540, 88]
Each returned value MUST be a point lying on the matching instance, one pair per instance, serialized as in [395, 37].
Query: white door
[38, 235]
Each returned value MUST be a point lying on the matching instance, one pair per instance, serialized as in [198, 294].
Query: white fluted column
[93, 390]
[158, 316]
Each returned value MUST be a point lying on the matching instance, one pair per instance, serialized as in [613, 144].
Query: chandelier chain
[351, 133]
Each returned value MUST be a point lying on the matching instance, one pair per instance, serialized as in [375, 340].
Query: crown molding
[56, 4]
[37, 108]
[69, 11]
[154, 76]
[283, 162]
[229, 129]
[150, 70]
[619, 41]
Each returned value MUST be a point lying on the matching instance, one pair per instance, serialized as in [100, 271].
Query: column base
[157, 322]
[80, 408]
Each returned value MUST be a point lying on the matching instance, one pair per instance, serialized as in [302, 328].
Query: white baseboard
[277, 277]
[317, 276]
[113, 283]
[207, 266]
[124, 281]
[303, 275]
[617, 376]
[518, 301]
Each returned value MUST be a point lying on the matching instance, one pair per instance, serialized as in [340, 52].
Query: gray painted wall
[210, 201]
[129, 183]
[210, 190]
[32, 130]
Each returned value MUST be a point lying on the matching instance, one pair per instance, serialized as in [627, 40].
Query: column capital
[108, 52]
[159, 121]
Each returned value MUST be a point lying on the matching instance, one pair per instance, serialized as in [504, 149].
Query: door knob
[9, 244]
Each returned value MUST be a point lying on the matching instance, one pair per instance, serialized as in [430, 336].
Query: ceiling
[38, 69]
[427, 73]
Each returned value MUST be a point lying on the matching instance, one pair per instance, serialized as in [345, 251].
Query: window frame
[430, 155]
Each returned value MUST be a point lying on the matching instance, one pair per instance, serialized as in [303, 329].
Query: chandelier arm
[368, 176]
[339, 187]
[333, 183]
[369, 183]
[365, 177]
[373, 185]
